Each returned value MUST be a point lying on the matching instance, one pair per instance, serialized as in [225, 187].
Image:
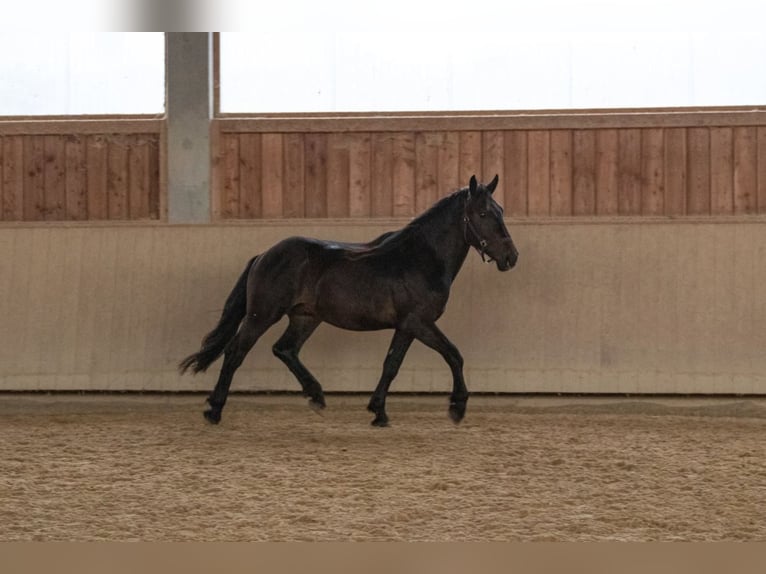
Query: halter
[482, 242]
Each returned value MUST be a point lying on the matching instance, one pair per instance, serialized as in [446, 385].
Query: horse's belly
[356, 306]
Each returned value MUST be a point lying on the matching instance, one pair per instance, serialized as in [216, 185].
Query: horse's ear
[472, 185]
[493, 184]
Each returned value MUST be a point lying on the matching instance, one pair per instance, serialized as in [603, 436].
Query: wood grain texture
[629, 172]
[13, 178]
[675, 166]
[745, 170]
[250, 176]
[426, 170]
[539, 175]
[721, 171]
[516, 172]
[561, 172]
[698, 171]
[607, 172]
[652, 171]
[584, 172]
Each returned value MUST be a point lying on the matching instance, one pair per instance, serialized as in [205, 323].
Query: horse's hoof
[213, 417]
[456, 412]
[317, 406]
[380, 421]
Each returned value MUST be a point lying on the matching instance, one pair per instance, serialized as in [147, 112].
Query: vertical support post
[189, 76]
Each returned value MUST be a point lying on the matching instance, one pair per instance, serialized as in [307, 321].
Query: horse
[400, 281]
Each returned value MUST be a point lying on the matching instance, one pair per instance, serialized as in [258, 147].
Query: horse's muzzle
[509, 261]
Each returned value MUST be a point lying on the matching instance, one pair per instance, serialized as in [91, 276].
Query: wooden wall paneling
[284, 184]
[470, 162]
[2, 179]
[761, 184]
[698, 171]
[230, 185]
[721, 171]
[675, 171]
[629, 172]
[338, 175]
[117, 178]
[13, 178]
[493, 159]
[426, 170]
[250, 176]
[652, 171]
[316, 175]
[76, 180]
[561, 172]
[584, 172]
[54, 166]
[515, 169]
[539, 175]
[157, 178]
[745, 170]
[449, 171]
[96, 158]
[34, 178]
[216, 169]
[403, 176]
[382, 199]
[360, 173]
[139, 177]
[607, 172]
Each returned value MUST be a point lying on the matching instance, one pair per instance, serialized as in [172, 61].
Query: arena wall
[606, 305]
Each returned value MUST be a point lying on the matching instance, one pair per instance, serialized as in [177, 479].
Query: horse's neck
[446, 236]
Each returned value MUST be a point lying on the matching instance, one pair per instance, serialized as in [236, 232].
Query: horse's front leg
[396, 351]
[430, 335]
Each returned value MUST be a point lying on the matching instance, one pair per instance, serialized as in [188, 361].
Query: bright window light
[55, 73]
[402, 55]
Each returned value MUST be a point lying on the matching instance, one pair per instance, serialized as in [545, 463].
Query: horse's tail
[215, 341]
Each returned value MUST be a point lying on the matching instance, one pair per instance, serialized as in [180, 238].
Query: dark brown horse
[399, 281]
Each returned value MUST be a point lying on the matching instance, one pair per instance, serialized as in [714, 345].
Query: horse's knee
[281, 353]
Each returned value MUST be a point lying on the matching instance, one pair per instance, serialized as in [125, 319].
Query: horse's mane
[393, 239]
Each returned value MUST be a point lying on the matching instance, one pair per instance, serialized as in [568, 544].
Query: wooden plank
[721, 171]
[96, 158]
[139, 177]
[13, 178]
[539, 174]
[230, 176]
[76, 181]
[675, 171]
[493, 159]
[157, 185]
[117, 177]
[584, 172]
[471, 160]
[55, 179]
[288, 197]
[761, 169]
[34, 178]
[745, 170]
[250, 176]
[97, 126]
[629, 172]
[216, 170]
[316, 175]
[382, 201]
[449, 157]
[426, 170]
[403, 173]
[338, 176]
[561, 172]
[607, 172]
[496, 120]
[515, 169]
[698, 171]
[360, 174]
[652, 171]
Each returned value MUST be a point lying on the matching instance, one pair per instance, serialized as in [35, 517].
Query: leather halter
[482, 242]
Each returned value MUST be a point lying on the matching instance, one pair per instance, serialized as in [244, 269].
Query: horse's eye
[483, 214]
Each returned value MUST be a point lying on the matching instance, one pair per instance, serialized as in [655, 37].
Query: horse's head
[484, 226]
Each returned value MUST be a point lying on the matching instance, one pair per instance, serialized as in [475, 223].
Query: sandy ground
[147, 467]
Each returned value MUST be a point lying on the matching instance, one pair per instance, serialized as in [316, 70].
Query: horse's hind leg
[396, 351]
[287, 348]
[250, 330]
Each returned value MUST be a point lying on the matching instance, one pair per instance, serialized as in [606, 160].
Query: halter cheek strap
[482, 242]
